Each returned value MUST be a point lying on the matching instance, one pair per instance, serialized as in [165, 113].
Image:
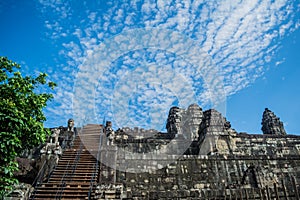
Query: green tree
[21, 117]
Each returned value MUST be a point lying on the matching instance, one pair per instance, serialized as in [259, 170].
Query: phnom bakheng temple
[199, 157]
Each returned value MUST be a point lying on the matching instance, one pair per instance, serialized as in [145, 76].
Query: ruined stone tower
[271, 124]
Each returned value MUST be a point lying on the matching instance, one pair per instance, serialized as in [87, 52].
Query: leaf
[21, 115]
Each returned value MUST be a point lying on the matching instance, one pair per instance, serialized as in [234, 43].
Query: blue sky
[130, 61]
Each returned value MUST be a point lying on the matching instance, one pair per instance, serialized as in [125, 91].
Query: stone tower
[271, 124]
[187, 122]
[194, 117]
[175, 120]
[213, 130]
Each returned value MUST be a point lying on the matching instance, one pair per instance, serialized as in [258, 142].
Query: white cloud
[239, 36]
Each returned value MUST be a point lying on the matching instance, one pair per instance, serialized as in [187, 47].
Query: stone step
[75, 170]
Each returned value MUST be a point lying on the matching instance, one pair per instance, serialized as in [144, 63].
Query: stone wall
[196, 177]
[219, 163]
[248, 167]
[215, 176]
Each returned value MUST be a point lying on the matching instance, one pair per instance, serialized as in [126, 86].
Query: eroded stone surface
[220, 163]
[271, 124]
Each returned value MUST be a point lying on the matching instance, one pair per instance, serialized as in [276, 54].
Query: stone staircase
[77, 172]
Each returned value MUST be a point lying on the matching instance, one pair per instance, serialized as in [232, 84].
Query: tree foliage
[21, 116]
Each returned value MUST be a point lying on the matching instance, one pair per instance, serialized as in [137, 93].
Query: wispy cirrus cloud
[240, 37]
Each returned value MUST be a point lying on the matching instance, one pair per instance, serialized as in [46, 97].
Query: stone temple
[199, 157]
